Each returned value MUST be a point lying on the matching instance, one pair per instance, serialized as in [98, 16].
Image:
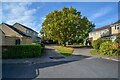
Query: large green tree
[66, 25]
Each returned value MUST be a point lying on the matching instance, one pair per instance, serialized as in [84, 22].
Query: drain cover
[58, 57]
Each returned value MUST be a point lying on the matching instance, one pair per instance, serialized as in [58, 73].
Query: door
[17, 41]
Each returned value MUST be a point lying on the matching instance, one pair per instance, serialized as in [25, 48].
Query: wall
[26, 40]
[113, 29]
[30, 32]
[97, 34]
[10, 40]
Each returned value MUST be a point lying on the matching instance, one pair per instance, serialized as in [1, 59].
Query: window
[116, 27]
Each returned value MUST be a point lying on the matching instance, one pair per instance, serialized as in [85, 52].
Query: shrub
[21, 51]
[117, 52]
[42, 47]
[96, 43]
[117, 39]
[115, 45]
[107, 49]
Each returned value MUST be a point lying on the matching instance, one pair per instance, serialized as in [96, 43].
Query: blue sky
[32, 14]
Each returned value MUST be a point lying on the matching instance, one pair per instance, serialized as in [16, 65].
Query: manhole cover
[58, 57]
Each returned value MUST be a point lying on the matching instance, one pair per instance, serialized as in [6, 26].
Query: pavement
[86, 52]
[80, 65]
[48, 52]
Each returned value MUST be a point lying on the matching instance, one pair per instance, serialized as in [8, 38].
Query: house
[28, 31]
[106, 32]
[2, 37]
[13, 36]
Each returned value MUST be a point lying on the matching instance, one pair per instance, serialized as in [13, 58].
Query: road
[84, 67]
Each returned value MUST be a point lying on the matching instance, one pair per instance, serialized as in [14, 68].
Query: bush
[117, 52]
[42, 47]
[106, 48]
[96, 43]
[21, 51]
[115, 45]
[117, 39]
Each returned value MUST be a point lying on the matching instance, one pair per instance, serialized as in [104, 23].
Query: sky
[32, 14]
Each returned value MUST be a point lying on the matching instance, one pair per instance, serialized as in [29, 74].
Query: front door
[17, 41]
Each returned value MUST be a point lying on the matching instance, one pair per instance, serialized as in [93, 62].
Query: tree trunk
[64, 44]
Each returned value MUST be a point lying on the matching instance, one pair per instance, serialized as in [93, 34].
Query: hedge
[109, 48]
[106, 47]
[21, 51]
[96, 44]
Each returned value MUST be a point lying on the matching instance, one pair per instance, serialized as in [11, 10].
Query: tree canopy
[66, 25]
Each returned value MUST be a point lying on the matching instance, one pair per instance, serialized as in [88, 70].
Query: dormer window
[116, 27]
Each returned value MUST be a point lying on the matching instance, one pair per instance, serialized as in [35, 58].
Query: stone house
[13, 36]
[28, 31]
[106, 32]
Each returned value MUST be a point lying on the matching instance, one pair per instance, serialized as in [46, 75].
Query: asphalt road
[85, 67]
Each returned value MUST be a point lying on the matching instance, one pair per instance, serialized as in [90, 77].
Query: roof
[111, 35]
[18, 31]
[26, 27]
[116, 22]
[104, 27]
[2, 31]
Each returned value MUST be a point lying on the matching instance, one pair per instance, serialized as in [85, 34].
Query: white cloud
[19, 12]
[101, 12]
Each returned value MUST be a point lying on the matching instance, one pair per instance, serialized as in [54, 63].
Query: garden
[64, 50]
[106, 47]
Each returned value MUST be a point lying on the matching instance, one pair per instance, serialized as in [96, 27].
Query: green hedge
[109, 48]
[21, 51]
[42, 47]
[96, 43]
[105, 47]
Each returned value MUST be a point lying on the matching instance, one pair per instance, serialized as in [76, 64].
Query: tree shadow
[87, 47]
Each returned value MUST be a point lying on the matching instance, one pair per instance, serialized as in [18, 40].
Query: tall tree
[65, 25]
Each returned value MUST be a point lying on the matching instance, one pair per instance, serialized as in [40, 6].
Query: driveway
[75, 66]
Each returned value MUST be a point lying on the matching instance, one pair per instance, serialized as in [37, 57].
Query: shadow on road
[31, 70]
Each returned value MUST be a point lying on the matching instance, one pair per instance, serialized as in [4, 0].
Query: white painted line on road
[36, 72]
[112, 59]
[90, 58]
[115, 60]
[105, 58]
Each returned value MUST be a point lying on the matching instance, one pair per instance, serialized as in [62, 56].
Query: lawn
[64, 50]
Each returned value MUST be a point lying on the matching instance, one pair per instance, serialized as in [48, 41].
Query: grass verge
[64, 50]
[93, 52]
